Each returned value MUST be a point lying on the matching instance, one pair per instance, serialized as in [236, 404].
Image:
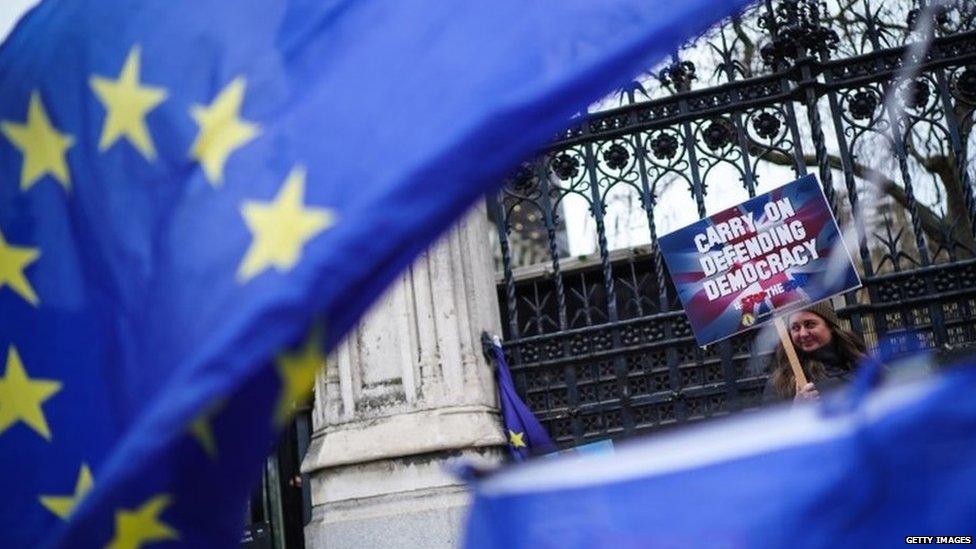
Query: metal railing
[599, 346]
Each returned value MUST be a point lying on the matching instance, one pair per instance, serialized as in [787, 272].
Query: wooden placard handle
[784, 338]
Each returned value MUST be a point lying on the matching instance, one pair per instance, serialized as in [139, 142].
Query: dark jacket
[838, 373]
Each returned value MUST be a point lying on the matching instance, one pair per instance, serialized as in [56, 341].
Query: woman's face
[809, 331]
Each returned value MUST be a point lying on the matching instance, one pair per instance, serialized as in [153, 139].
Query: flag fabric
[900, 463]
[199, 198]
[526, 436]
[599, 447]
[604, 446]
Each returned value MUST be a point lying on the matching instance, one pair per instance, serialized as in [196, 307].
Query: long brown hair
[850, 348]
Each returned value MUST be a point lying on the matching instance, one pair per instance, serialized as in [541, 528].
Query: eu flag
[199, 198]
[526, 436]
[868, 470]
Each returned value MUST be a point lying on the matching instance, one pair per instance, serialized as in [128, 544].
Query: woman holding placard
[828, 354]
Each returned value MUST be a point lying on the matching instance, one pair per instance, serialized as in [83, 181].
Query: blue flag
[199, 198]
[901, 463]
[526, 436]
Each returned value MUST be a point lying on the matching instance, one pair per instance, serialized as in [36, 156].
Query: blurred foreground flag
[902, 463]
[188, 188]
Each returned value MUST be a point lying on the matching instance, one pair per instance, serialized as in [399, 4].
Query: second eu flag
[198, 199]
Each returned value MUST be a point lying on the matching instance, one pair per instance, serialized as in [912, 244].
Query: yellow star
[281, 228]
[13, 261]
[141, 526]
[297, 372]
[42, 145]
[222, 130]
[62, 506]
[516, 439]
[21, 397]
[126, 105]
[202, 430]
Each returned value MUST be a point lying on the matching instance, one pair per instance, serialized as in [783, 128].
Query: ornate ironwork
[797, 29]
[616, 156]
[916, 94]
[565, 166]
[598, 342]
[766, 125]
[718, 134]
[523, 180]
[965, 84]
[863, 105]
[664, 146]
[678, 75]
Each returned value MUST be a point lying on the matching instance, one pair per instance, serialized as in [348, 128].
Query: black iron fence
[598, 343]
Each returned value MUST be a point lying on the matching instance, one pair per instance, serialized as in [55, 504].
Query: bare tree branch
[930, 221]
[748, 46]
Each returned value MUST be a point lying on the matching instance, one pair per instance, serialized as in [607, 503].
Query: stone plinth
[407, 392]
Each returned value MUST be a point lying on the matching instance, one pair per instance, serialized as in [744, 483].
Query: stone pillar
[406, 392]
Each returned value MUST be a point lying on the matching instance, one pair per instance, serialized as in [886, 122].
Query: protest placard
[740, 267]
